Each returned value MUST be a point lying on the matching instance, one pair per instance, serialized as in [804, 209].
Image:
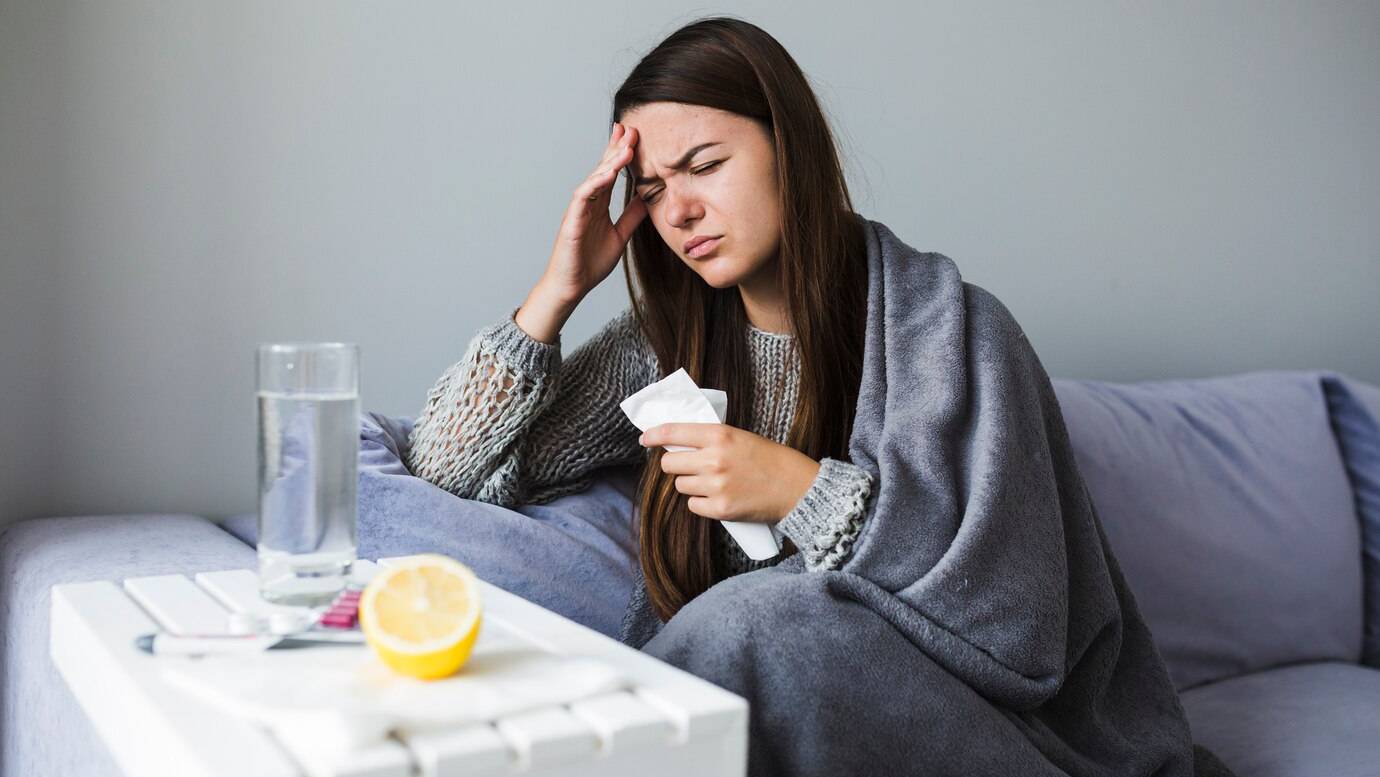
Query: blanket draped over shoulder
[981, 624]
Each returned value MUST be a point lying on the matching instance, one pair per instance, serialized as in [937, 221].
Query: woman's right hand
[589, 244]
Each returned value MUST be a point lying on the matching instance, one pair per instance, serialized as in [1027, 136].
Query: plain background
[1156, 190]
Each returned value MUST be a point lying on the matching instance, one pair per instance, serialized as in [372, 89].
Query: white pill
[288, 622]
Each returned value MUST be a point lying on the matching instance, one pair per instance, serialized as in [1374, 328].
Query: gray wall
[1155, 190]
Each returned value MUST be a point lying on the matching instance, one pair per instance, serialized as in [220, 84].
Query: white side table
[670, 723]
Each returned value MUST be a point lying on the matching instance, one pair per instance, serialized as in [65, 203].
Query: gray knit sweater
[510, 423]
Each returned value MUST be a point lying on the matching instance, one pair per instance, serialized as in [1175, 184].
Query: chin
[719, 280]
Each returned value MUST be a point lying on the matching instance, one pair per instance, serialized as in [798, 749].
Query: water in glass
[308, 447]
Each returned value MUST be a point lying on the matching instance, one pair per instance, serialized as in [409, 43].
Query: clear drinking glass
[308, 469]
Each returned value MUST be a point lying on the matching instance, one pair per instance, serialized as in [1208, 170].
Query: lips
[697, 239]
[702, 247]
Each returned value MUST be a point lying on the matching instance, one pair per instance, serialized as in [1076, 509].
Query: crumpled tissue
[675, 399]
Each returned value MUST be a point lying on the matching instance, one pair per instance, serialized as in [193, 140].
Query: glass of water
[308, 469]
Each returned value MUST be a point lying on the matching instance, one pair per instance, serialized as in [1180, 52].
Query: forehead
[667, 130]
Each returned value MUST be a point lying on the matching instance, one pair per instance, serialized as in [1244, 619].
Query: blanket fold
[981, 624]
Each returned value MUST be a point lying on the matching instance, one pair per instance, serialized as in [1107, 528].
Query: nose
[681, 209]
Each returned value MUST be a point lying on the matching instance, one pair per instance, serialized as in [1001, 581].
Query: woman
[767, 309]
[888, 417]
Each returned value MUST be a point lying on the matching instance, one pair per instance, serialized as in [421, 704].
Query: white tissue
[676, 399]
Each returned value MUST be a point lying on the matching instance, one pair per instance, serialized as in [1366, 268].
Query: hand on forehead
[666, 132]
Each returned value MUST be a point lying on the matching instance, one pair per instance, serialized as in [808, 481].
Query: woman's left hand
[734, 475]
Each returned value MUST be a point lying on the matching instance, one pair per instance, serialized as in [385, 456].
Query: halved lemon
[421, 615]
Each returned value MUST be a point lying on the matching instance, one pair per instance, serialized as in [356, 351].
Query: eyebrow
[682, 162]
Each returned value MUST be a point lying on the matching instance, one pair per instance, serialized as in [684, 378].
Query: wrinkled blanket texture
[981, 624]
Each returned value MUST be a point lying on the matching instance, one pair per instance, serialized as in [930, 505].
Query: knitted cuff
[828, 518]
[512, 346]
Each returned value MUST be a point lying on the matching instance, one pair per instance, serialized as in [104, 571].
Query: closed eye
[651, 198]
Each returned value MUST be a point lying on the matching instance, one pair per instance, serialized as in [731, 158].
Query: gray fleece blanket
[981, 624]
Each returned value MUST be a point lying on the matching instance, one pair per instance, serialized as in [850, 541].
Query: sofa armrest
[42, 729]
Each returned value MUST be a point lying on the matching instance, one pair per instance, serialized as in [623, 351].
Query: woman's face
[725, 189]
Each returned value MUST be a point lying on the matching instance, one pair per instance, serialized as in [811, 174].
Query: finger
[692, 484]
[597, 187]
[592, 187]
[616, 133]
[612, 164]
[617, 141]
[600, 180]
[701, 506]
[600, 194]
[616, 138]
[633, 214]
[681, 462]
[693, 435]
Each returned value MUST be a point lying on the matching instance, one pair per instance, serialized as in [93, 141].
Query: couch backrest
[1227, 504]
[1355, 410]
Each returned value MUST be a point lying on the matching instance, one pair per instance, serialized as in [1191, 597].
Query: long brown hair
[735, 66]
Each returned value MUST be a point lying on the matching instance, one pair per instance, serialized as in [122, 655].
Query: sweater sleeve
[514, 423]
[829, 516]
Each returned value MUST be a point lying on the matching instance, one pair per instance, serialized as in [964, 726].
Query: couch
[1244, 509]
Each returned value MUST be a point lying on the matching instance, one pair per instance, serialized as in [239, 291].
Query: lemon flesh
[421, 615]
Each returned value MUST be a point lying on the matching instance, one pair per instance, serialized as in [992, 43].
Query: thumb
[632, 215]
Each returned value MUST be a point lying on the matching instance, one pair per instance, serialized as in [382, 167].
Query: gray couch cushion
[1318, 719]
[1355, 408]
[1228, 506]
[42, 729]
[575, 555]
